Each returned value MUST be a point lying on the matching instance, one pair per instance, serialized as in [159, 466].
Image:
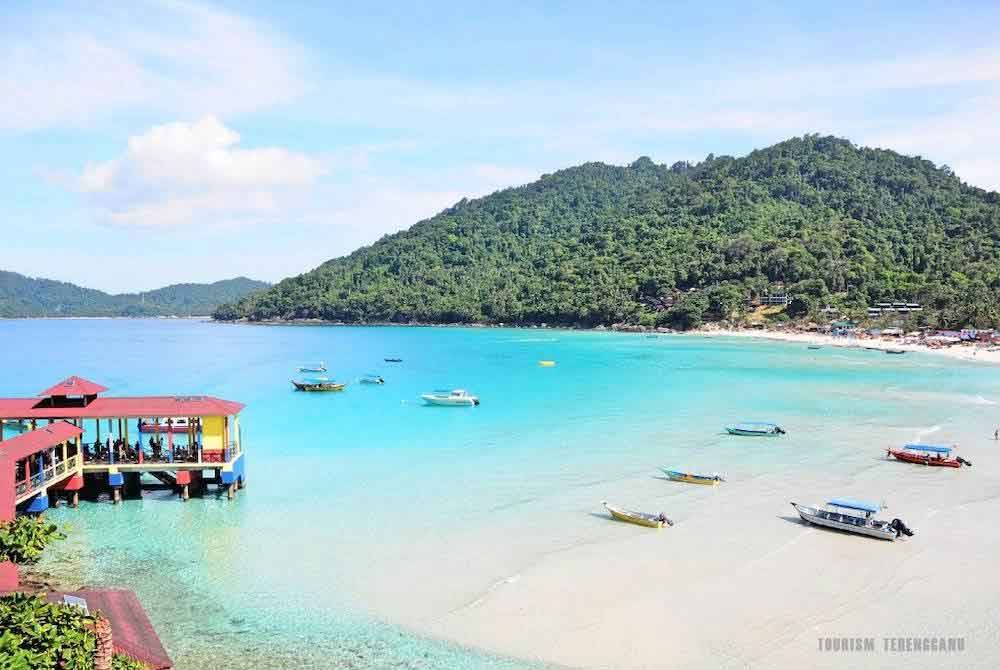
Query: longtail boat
[317, 384]
[839, 519]
[691, 478]
[456, 398]
[640, 518]
[927, 454]
[755, 429]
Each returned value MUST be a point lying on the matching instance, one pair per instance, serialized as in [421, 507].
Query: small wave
[534, 339]
[924, 432]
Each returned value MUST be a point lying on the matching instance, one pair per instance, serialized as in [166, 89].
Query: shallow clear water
[344, 488]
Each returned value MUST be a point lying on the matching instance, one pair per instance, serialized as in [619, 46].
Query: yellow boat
[640, 518]
[547, 364]
[678, 476]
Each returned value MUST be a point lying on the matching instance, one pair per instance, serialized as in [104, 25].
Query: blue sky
[157, 142]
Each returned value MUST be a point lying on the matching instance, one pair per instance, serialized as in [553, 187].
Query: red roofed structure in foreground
[173, 438]
[131, 631]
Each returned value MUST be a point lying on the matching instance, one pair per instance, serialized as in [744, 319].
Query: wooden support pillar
[231, 491]
[76, 499]
[185, 493]
[116, 492]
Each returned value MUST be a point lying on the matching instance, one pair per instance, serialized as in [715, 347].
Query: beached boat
[456, 398]
[841, 518]
[318, 384]
[927, 454]
[755, 429]
[176, 424]
[640, 518]
[372, 379]
[313, 367]
[693, 478]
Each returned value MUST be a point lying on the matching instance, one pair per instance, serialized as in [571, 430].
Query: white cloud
[180, 59]
[185, 173]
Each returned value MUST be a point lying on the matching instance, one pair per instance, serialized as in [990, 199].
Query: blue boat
[755, 429]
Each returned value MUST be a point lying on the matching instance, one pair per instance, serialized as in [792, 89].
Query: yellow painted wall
[211, 433]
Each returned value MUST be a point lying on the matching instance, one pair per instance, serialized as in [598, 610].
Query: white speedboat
[456, 398]
[844, 516]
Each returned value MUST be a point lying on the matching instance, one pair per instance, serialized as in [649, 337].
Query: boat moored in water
[895, 351]
[845, 516]
[927, 454]
[393, 360]
[755, 429]
[640, 518]
[455, 398]
[175, 424]
[693, 478]
[313, 367]
[318, 384]
[372, 379]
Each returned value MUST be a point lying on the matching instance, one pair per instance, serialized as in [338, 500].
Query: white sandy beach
[738, 582]
[979, 354]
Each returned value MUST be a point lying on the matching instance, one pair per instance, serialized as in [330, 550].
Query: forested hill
[22, 296]
[816, 217]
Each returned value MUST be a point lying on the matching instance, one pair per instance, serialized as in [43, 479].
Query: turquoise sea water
[348, 490]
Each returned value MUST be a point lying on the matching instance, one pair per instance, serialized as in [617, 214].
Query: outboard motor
[963, 461]
[900, 528]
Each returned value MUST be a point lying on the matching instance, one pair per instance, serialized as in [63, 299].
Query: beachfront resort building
[71, 440]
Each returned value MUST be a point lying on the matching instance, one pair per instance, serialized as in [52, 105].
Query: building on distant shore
[881, 308]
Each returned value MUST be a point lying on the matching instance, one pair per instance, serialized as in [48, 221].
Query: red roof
[131, 631]
[111, 408]
[33, 441]
[74, 386]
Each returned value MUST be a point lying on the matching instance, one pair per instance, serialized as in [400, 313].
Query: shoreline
[968, 352]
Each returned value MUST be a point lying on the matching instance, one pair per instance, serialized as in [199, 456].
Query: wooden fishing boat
[927, 454]
[815, 346]
[841, 518]
[895, 351]
[393, 360]
[755, 429]
[317, 385]
[640, 518]
[692, 478]
[456, 398]
[313, 367]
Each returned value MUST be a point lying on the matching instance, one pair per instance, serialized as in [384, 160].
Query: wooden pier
[71, 440]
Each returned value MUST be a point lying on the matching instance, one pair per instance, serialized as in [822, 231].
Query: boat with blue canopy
[755, 429]
[844, 515]
[317, 384]
[927, 454]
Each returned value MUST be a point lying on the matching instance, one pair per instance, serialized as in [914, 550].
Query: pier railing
[46, 477]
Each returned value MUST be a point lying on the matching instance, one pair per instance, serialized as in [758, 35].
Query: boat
[755, 429]
[815, 346]
[547, 364]
[692, 478]
[318, 384]
[895, 351]
[313, 367]
[640, 518]
[927, 454]
[372, 379]
[841, 518]
[393, 360]
[175, 424]
[455, 398]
